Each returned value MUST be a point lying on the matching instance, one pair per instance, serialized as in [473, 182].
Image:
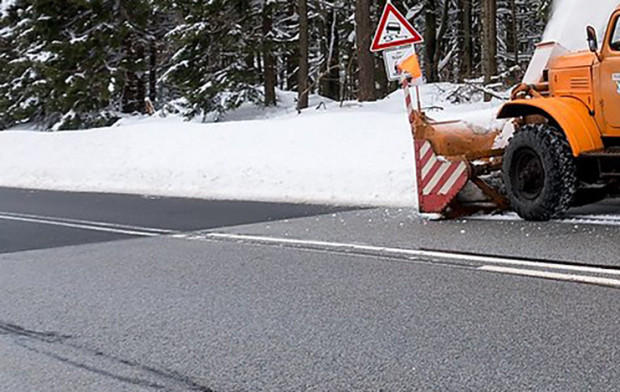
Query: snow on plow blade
[448, 156]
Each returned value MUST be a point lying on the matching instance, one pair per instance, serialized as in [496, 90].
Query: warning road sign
[394, 31]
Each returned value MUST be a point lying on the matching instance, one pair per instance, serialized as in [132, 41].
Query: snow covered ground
[350, 155]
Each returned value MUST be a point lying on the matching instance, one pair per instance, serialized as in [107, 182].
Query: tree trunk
[330, 82]
[430, 41]
[289, 75]
[515, 31]
[489, 41]
[269, 61]
[363, 32]
[302, 73]
[466, 55]
[134, 91]
[441, 33]
[153, 71]
[381, 77]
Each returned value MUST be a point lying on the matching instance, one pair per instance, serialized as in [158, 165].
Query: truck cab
[606, 75]
[567, 121]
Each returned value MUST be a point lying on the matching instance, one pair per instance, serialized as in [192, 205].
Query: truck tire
[540, 172]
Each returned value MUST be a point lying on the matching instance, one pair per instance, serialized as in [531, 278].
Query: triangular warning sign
[394, 30]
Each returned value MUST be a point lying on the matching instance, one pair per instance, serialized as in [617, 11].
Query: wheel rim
[529, 174]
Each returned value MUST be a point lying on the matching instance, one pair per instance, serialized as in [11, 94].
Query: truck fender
[570, 114]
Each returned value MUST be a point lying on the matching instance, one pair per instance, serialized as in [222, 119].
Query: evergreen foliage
[70, 64]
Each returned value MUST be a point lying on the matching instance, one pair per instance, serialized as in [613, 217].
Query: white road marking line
[552, 275]
[525, 263]
[387, 251]
[600, 220]
[81, 226]
[606, 220]
[89, 223]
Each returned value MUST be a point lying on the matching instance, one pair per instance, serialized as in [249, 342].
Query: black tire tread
[560, 168]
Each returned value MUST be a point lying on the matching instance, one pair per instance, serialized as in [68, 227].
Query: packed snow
[349, 154]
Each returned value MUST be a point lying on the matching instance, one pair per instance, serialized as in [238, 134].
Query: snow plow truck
[565, 150]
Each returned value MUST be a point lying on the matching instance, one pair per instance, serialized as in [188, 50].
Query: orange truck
[566, 146]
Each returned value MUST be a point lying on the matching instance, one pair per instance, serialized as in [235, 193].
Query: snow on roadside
[351, 155]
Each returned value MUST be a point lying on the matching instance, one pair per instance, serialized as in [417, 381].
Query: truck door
[610, 80]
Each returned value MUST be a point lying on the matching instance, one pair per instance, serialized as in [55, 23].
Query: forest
[74, 64]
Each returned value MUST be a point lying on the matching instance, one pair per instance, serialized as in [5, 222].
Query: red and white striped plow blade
[439, 180]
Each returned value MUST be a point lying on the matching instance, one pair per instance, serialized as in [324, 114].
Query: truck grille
[580, 83]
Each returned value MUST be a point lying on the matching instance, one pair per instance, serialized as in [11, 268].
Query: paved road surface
[27, 232]
[334, 300]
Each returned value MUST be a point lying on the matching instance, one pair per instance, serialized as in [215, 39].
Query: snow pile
[4, 5]
[352, 155]
[571, 17]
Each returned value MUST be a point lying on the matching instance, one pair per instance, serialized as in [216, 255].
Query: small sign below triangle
[394, 31]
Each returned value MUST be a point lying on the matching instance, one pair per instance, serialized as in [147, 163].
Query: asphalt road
[301, 298]
[166, 214]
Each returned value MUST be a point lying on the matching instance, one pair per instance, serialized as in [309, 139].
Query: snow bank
[571, 17]
[4, 5]
[351, 155]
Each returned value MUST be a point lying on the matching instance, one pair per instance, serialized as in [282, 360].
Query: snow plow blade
[449, 156]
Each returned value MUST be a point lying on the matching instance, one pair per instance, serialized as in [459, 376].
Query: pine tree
[71, 64]
[74, 61]
[214, 66]
[131, 18]
[28, 84]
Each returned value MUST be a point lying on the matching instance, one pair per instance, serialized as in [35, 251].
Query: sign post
[396, 37]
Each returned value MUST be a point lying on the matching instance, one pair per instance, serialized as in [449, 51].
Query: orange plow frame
[448, 155]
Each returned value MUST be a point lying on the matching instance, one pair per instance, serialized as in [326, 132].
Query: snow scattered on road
[351, 155]
[571, 218]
